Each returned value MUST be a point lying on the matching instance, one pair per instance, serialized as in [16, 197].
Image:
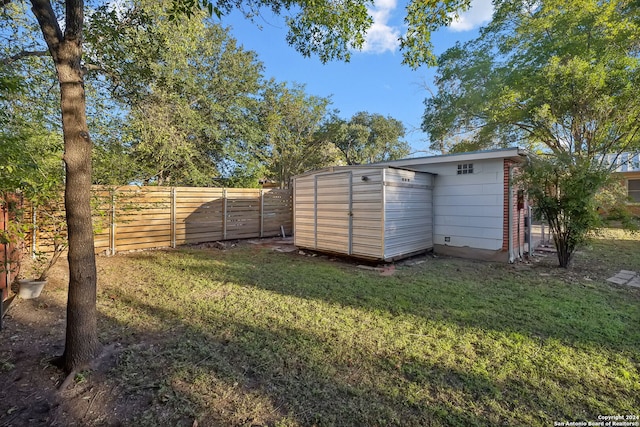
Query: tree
[189, 104]
[16, 162]
[326, 28]
[366, 138]
[564, 195]
[66, 51]
[558, 77]
[551, 75]
[289, 119]
[81, 341]
[30, 169]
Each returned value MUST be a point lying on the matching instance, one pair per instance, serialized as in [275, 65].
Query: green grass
[254, 337]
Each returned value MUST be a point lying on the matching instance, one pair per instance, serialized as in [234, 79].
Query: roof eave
[515, 153]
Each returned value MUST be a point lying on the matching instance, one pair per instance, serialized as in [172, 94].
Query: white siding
[468, 209]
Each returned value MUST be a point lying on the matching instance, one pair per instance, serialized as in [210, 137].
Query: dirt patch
[32, 335]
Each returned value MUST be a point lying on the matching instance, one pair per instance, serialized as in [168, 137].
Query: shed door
[333, 212]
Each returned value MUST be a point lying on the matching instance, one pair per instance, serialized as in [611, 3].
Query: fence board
[132, 246]
[199, 237]
[131, 217]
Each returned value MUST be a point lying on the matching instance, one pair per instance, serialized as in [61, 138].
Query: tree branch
[74, 19]
[48, 22]
[95, 67]
[23, 54]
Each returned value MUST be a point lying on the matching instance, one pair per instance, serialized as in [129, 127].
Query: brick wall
[518, 215]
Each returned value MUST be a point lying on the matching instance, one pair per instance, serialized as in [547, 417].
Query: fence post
[5, 274]
[173, 217]
[224, 214]
[261, 213]
[34, 228]
[112, 236]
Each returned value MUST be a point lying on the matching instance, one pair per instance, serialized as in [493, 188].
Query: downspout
[512, 257]
[529, 213]
[433, 213]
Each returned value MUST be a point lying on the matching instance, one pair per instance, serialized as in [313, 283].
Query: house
[476, 210]
[627, 167]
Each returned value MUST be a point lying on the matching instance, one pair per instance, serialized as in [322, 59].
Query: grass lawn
[254, 337]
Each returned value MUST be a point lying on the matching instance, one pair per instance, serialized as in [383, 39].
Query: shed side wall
[304, 212]
[408, 225]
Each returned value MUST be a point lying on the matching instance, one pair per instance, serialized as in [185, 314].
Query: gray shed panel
[370, 212]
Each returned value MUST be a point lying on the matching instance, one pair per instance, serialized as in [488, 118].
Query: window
[633, 186]
[465, 168]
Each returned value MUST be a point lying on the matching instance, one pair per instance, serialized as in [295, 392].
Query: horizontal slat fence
[131, 217]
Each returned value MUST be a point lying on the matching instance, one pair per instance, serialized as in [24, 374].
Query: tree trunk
[81, 338]
[564, 251]
[81, 344]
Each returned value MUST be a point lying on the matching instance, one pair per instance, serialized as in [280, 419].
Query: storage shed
[370, 212]
[479, 209]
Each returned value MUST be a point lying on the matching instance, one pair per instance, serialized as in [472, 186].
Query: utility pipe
[512, 257]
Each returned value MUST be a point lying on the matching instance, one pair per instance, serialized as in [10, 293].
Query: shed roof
[514, 153]
[331, 169]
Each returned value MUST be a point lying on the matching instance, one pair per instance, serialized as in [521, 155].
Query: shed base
[408, 255]
[472, 253]
[365, 258]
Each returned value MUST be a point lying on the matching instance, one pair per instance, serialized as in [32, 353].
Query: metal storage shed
[370, 212]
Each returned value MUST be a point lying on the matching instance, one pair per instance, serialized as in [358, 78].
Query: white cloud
[479, 13]
[382, 37]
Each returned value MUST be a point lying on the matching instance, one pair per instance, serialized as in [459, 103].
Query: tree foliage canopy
[198, 107]
[30, 151]
[553, 75]
[333, 29]
[289, 119]
[366, 138]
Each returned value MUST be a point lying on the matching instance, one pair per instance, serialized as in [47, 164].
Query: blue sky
[375, 80]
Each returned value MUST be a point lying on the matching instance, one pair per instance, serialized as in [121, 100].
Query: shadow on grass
[470, 294]
[187, 361]
[223, 372]
[296, 373]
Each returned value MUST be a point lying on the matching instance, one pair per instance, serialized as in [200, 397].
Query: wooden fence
[5, 269]
[131, 217]
[10, 251]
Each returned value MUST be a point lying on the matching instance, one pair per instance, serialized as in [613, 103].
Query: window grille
[465, 168]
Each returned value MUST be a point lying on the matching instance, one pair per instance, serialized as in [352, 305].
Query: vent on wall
[465, 168]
